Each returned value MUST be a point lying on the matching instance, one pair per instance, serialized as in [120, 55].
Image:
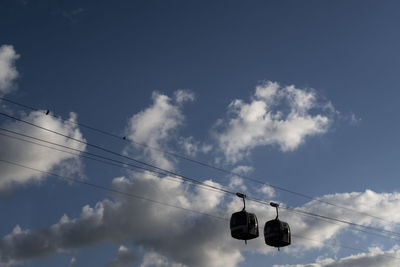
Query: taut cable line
[295, 210]
[135, 196]
[258, 181]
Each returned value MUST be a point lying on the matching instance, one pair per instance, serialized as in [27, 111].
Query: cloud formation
[124, 258]
[8, 71]
[72, 262]
[375, 257]
[36, 156]
[192, 147]
[154, 259]
[276, 115]
[382, 205]
[198, 240]
[155, 125]
[204, 240]
[182, 96]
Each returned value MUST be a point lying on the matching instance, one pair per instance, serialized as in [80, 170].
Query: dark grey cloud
[197, 240]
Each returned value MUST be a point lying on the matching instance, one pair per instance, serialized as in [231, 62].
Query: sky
[300, 95]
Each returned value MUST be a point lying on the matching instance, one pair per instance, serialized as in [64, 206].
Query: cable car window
[239, 218]
[252, 222]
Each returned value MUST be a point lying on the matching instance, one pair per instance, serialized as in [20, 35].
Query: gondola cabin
[244, 225]
[277, 233]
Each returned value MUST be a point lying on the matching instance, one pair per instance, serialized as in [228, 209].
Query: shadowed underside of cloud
[191, 239]
[276, 115]
[179, 237]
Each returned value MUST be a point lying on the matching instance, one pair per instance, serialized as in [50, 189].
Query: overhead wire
[358, 229]
[99, 147]
[280, 188]
[131, 195]
[121, 164]
[109, 161]
[111, 190]
[47, 112]
[196, 182]
[297, 210]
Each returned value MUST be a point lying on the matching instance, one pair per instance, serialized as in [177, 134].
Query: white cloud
[36, 156]
[375, 257]
[236, 183]
[276, 115]
[205, 148]
[124, 258]
[182, 96]
[382, 205]
[267, 191]
[320, 234]
[353, 119]
[8, 71]
[192, 147]
[243, 169]
[72, 262]
[154, 127]
[189, 145]
[153, 259]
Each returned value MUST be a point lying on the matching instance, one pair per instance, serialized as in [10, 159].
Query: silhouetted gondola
[244, 225]
[276, 232]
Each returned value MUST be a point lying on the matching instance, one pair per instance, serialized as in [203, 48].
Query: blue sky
[299, 94]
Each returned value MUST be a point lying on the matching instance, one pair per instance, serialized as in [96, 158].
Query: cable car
[276, 232]
[243, 224]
